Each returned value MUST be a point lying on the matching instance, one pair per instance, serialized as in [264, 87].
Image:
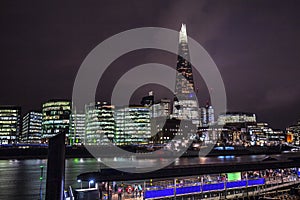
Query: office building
[132, 125]
[236, 117]
[165, 130]
[56, 119]
[10, 124]
[161, 108]
[100, 123]
[32, 128]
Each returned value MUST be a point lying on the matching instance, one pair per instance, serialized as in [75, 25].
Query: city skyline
[255, 46]
[150, 99]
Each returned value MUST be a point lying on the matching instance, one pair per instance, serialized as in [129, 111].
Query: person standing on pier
[136, 190]
[120, 191]
[140, 190]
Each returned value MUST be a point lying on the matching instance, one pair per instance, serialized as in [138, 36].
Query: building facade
[77, 128]
[207, 115]
[10, 124]
[293, 134]
[132, 125]
[177, 133]
[100, 123]
[32, 128]
[236, 117]
[56, 119]
[161, 108]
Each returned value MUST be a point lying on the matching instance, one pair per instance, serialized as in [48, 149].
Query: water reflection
[20, 179]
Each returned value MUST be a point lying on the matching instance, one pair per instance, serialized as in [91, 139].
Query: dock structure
[279, 161]
[181, 171]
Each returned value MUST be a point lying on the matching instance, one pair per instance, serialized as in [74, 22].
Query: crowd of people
[121, 190]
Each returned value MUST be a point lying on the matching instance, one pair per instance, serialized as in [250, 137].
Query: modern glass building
[100, 123]
[32, 128]
[132, 125]
[10, 124]
[56, 119]
[185, 105]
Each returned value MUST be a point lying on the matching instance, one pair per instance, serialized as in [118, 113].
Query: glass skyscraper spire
[184, 77]
[185, 101]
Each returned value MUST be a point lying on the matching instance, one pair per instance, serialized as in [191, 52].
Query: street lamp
[91, 182]
[79, 181]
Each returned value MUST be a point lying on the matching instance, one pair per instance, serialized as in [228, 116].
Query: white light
[79, 181]
[91, 182]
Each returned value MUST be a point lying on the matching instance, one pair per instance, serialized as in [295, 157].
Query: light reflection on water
[19, 179]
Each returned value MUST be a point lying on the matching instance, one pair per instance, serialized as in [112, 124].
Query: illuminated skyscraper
[56, 119]
[184, 78]
[185, 104]
[10, 123]
[32, 128]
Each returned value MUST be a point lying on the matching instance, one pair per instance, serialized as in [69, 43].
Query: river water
[20, 179]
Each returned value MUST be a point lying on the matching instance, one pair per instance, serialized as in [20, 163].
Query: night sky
[255, 45]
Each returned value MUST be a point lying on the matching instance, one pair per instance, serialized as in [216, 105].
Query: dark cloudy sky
[255, 45]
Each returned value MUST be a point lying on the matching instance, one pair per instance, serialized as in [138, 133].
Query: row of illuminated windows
[100, 130]
[35, 127]
[5, 133]
[132, 132]
[60, 103]
[10, 117]
[7, 129]
[104, 112]
[56, 111]
[35, 123]
[134, 128]
[52, 117]
[9, 111]
[7, 137]
[96, 124]
[35, 120]
[8, 123]
[66, 121]
[132, 124]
